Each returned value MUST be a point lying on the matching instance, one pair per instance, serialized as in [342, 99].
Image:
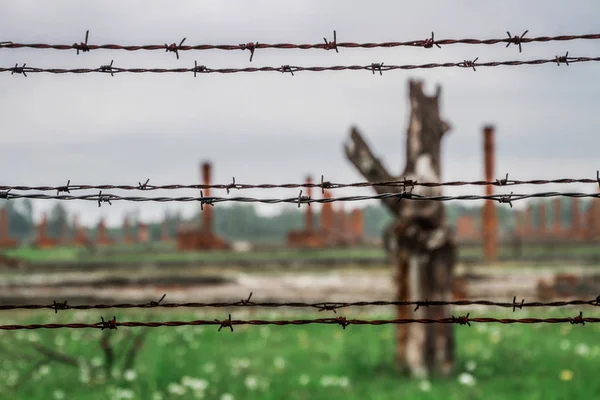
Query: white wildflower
[130, 375]
[582, 349]
[304, 379]
[425, 385]
[279, 363]
[466, 379]
[209, 368]
[471, 365]
[195, 384]
[251, 382]
[226, 396]
[157, 396]
[175, 388]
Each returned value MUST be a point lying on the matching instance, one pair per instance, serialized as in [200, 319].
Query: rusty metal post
[327, 216]
[489, 209]
[309, 214]
[575, 219]
[207, 213]
[556, 225]
[3, 223]
[542, 220]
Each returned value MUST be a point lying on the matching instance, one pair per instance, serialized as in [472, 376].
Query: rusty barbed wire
[427, 43]
[342, 321]
[211, 200]
[380, 67]
[320, 306]
[405, 183]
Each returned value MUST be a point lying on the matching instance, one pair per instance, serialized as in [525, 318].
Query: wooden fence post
[419, 241]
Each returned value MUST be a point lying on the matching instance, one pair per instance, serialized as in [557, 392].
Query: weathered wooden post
[419, 242]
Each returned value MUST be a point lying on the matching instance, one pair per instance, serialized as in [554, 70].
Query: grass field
[142, 253]
[312, 362]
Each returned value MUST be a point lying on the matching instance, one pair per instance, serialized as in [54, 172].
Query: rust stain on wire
[342, 321]
[320, 306]
[323, 185]
[426, 43]
[380, 67]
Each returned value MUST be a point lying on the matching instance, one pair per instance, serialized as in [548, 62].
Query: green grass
[141, 253]
[73, 254]
[302, 362]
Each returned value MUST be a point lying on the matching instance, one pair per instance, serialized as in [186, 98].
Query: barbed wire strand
[211, 200]
[430, 42]
[405, 183]
[321, 306]
[342, 321]
[379, 67]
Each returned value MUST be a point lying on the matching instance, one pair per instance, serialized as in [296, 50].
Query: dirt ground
[207, 285]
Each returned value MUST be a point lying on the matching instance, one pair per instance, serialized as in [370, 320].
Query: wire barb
[563, 59]
[231, 186]
[110, 324]
[249, 46]
[246, 302]
[328, 307]
[506, 199]
[143, 186]
[303, 199]
[470, 64]
[502, 182]
[332, 45]
[108, 68]
[225, 324]
[578, 319]
[5, 194]
[461, 320]
[343, 322]
[515, 39]
[325, 185]
[103, 198]
[377, 66]
[63, 189]
[429, 43]
[209, 201]
[198, 68]
[60, 306]
[83, 46]
[287, 68]
[174, 47]
[515, 305]
[19, 70]
[156, 304]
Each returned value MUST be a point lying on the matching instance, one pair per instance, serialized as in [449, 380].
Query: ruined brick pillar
[542, 220]
[489, 210]
[556, 226]
[102, 237]
[576, 232]
[127, 234]
[327, 215]
[357, 224]
[207, 213]
[164, 232]
[528, 223]
[143, 235]
[308, 224]
[4, 223]
[41, 229]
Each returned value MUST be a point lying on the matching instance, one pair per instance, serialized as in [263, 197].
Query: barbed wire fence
[9, 192]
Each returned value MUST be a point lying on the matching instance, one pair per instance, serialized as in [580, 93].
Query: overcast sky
[276, 128]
